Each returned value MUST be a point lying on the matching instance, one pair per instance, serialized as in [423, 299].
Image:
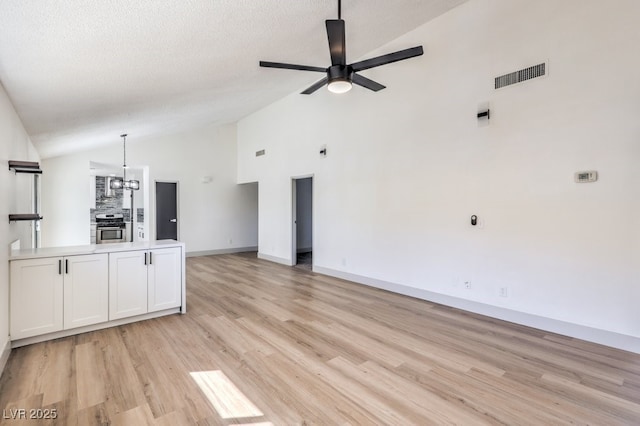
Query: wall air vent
[521, 75]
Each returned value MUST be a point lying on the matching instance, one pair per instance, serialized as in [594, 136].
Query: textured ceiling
[80, 72]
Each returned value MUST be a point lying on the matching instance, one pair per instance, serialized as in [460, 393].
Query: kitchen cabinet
[164, 279]
[36, 295]
[127, 284]
[144, 281]
[61, 291]
[57, 293]
[86, 290]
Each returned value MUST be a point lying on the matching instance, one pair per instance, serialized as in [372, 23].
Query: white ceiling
[81, 72]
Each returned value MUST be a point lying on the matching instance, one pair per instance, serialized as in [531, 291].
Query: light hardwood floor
[303, 348]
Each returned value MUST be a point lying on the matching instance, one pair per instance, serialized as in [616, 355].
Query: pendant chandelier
[118, 183]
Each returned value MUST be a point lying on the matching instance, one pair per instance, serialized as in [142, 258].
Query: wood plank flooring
[270, 344]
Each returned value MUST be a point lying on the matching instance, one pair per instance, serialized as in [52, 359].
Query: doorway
[167, 211]
[302, 235]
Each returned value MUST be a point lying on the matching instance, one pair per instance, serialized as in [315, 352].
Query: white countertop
[91, 249]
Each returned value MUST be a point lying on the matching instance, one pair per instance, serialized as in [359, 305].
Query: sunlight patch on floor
[226, 398]
[256, 424]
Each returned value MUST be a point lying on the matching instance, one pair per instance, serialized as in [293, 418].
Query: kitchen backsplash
[106, 204]
[113, 204]
[109, 205]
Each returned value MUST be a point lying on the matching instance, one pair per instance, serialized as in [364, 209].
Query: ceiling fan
[341, 76]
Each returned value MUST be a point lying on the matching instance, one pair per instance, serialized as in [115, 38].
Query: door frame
[293, 219]
[155, 206]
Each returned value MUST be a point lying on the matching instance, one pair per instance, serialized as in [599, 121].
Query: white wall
[408, 166]
[211, 214]
[15, 190]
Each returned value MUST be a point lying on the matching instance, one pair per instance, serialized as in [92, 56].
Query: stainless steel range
[110, 228]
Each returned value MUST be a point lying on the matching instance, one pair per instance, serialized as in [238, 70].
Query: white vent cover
[521, 75]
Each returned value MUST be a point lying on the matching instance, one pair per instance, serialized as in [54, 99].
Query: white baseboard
[220, 251]
[595, 335]
[275, 259]
[4, 355]
[114, 323]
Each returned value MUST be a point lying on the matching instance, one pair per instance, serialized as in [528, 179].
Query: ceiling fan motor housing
[339, 73]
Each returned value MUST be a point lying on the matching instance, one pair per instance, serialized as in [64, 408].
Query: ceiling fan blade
[335, 34]
[315, 86]
[365, 82]
[388, 58]
[291, 66]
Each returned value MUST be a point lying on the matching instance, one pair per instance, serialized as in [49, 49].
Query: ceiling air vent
[521, 75]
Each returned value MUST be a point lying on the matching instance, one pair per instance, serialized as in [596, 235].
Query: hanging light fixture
[118, 183]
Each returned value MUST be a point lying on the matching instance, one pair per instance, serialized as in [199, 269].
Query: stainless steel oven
[110, 228]
[111, 234]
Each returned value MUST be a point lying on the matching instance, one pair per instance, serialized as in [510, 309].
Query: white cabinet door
[86, 290]
[127, 284]
[165, 279]
[36, 297]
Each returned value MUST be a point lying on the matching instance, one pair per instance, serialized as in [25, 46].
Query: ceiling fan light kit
[339, 76]
[339, 86]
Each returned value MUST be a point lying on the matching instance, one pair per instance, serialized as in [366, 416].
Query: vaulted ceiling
[80, 72]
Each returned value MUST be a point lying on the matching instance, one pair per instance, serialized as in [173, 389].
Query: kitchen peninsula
[61, 291]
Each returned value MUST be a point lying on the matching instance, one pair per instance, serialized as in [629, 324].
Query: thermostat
[586, 176]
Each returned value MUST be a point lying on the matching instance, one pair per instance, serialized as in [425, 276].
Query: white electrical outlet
[504, 291]
[467, 285]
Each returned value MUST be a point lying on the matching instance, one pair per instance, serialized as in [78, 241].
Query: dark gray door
[166, 211]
